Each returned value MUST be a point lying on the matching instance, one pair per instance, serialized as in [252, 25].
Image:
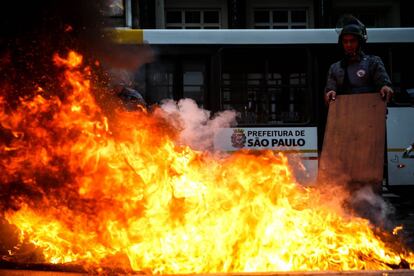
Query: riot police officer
[356, 72]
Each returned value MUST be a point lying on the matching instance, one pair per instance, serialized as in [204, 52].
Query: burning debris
[85, 183]
[122, 190]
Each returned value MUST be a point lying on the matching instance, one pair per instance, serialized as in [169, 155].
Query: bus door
[400, 141]
[400, 120]
[270, 89]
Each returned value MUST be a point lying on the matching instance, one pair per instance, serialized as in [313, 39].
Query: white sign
[300, 141]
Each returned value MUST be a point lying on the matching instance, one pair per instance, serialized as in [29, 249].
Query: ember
[119, 191]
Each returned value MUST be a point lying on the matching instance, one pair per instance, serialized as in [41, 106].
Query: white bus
[275, 79]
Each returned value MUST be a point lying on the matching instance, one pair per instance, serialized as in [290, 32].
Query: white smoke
[372, 206]
[198, 128]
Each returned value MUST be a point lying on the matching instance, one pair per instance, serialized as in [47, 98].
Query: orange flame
[397, 229]
[101, 190]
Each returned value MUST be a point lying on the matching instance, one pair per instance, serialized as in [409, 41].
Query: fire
[118, 191]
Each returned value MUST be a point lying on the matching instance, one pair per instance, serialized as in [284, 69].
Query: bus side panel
[400, 136]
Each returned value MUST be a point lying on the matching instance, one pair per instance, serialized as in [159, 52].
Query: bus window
[266, 86]
[160, 82]
[193, 82]
[403, 74]
[177, 79]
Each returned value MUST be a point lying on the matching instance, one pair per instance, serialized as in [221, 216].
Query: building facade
[256, 14]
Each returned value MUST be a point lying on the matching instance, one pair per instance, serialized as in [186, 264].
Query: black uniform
[365, 75]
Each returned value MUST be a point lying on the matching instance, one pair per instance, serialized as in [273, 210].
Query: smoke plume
[372, 206]
[198, 128]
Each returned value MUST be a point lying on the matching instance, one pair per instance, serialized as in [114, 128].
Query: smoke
[357, 199]
[197, 127]
[370, 205]
[360, 199]
[32, 32]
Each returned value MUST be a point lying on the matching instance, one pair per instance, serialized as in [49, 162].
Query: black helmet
[131, 98]
[351, 25]
[354, 30]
